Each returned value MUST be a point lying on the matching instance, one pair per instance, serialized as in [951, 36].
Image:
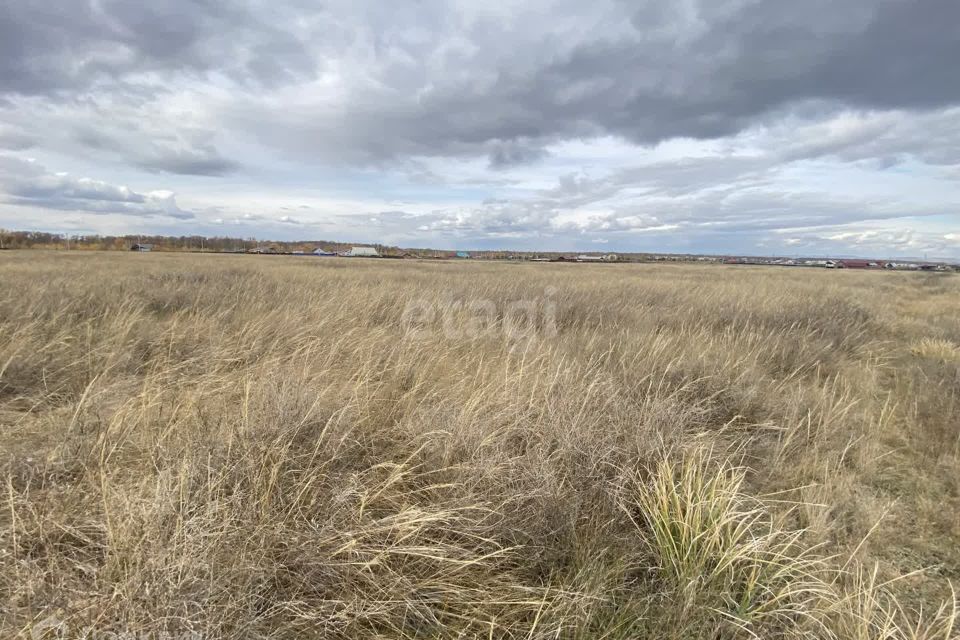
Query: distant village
[364, 251]
[329, 249]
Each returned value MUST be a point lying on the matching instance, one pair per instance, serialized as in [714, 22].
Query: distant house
[322, 252]
[857, 264]
[362, 252]
[586, 258]
[461, 254]
[141, 247]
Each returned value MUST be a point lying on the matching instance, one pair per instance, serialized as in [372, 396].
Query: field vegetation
[278, 447]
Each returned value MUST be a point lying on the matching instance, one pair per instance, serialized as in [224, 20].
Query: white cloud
[30, 184]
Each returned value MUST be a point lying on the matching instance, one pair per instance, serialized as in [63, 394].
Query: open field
[281, 447]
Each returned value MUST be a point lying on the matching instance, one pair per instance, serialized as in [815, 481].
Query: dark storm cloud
[706, 75]
[762, 56]
[424, 80]
[55, 47]
[514, 152]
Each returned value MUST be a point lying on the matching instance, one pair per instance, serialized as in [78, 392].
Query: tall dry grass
[266, 447]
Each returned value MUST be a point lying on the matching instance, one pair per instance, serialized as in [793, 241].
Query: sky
[773, 127]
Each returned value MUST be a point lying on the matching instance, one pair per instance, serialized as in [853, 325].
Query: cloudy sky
[720, 126]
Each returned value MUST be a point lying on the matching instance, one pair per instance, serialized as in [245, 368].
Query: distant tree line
[44, 240]
[86, 242]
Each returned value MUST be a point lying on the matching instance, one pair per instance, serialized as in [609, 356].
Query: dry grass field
[214, 446]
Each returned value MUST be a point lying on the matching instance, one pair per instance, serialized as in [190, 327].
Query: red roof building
[859, 264]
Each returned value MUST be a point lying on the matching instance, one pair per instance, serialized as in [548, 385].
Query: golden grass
[280, 447]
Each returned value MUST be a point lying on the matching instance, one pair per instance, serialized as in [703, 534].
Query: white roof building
[363, 252]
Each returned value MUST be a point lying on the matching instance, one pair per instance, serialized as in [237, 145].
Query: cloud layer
[734, 126]
[28, 184]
